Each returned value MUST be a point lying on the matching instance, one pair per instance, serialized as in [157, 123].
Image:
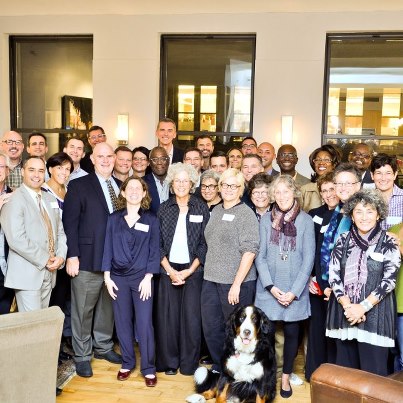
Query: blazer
[177, 155]
[85, 214]
[367, 179]
[153, 191]
[27, 238]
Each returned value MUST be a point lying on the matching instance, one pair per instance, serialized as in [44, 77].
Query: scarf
[356, 271]
[283, 223]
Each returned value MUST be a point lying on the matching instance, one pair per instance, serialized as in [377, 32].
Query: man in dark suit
[157, 185]
[87, 205]
[361, 156]
[166, 133]
[96, 135]
[267, 152]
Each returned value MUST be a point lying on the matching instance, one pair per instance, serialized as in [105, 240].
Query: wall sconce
[123, 129]
[286, 129]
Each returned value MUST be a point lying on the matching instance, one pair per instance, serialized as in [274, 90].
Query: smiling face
[33, 173]
[134, 192]
[166, 132]
[260, 197]
[140, 162]
[13, 145]
[266, 152]
[60, 173]
[249, 147]
[346, 185]
[365, 217]
[95, 137]
[181, 184]
[159, 162]
[361, 157]
[218, 164]
[250, 167]
[209, 189]
[287, 159]
[103, 159]
[206, 146]
[328, 193]
[283, 196]
[235, 158]
[123, 162]
[37, 147]
[323, 163]
[384, 178]
[193, 158]
[75, 150]
[231, 196]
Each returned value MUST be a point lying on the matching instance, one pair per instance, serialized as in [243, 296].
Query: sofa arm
[334, 384]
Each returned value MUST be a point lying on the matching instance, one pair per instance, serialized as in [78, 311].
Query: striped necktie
[112, 195]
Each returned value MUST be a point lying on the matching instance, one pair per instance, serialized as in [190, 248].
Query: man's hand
[54, 263]
[73, 266]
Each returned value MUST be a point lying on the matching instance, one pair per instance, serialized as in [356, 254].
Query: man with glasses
[249, 146]
[287, 160]
[166, 133]
[13, 146]
[157, 185]
[361, 157]
[96, 135]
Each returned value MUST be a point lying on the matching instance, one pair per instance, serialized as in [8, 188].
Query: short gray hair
[179, 167]
[288, 181]
[210, 174]
[367, 197]
[233, 173]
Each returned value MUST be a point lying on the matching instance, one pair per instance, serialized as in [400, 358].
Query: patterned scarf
[356, 271]
[283, 223]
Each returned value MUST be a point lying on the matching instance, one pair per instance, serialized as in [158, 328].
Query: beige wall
[289, 64]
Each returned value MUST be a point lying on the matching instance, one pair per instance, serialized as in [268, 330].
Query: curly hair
[258, 180]
[367, 197]
[334, 153]
[326, 178]
[288, 181]
[145, 202]
[179, 167]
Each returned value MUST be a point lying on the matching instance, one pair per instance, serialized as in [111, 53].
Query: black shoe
[206, 360]
[171, 371]
[64, 356]
[110, 356]
[83, 368]
[285, 394]
[58, 391]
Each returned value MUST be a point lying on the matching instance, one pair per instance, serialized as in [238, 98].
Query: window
[51, 81]
[207, 83]
[363, 91]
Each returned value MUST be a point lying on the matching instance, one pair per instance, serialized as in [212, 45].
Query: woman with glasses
[209, 188]
[235, 157]
[322, 160]
[258, 188]
[183, 218]
[232, 237]
[140, 161]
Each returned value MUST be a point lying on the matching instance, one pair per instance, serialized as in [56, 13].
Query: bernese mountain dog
[248, 363]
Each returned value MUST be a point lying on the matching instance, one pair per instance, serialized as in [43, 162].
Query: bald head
[103, 158]
[287, 159]
[13, 146]
[267, 153]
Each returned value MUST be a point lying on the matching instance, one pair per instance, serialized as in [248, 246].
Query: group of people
[165, 244]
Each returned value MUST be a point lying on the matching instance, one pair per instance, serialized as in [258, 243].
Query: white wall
[289, 64]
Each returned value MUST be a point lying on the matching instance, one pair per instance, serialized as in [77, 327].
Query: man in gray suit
[35, 235]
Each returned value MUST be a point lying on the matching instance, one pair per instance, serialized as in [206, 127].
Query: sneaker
[295, 379]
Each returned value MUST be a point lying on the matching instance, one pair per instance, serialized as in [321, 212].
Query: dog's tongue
[245, 341]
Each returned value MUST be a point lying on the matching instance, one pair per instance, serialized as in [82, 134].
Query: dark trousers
[6, 296]
[134, 316]
[320, 349]
[178, 335]
[215, 312]
[354, 354]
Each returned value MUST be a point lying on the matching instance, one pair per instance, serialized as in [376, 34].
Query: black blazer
[85, 214]
[86, 163]
[367, 178]
[153, 191]
[177, 155]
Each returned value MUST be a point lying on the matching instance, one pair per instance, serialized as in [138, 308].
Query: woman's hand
[186, 273]
[312, 288]
[233, 294]
[354, 313]
[145, 287]
[286, 298]
[327, 292]
[276, 292]
[111, 286]
[176, 277]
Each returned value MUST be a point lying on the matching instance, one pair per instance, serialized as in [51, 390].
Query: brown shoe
[150, 382]
[123, 375]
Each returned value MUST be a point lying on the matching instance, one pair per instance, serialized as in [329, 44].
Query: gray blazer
[288, 275]
[27, 238]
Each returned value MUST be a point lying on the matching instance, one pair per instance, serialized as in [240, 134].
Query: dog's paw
[195, 398]
[200, 375]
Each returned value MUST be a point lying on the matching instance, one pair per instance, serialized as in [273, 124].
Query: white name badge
[195, 218]
[376, 256]
[228, 217]
[317, 219]
[393, 220]
[54, 205]
[141, 227]
[368, 185]
[324, 228]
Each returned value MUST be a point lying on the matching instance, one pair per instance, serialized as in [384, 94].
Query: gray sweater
[229, 234]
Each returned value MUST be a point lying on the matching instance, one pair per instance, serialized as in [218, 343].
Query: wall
[289, 64]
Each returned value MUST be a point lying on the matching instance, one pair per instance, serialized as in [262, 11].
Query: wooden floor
[103, 387]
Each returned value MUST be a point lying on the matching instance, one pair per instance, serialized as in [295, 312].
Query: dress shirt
[395, 209]
[14, 178]
[163, 190]
[104, 187]
[77, 173]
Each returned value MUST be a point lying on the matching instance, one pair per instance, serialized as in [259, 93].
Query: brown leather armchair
[334, 384]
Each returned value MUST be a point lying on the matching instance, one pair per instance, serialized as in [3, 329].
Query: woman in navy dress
[131, 258]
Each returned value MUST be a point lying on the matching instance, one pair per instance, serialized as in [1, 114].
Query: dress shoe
[110, 356]
[123, 375]
[83, 368]
[206, 360]
[171, 371]
[150, 382]
[285, 394]
[58, 391]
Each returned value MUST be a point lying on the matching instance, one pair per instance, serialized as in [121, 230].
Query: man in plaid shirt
[13, 146]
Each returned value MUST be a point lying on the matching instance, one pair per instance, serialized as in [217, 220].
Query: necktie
[48, 224]
[112, 195]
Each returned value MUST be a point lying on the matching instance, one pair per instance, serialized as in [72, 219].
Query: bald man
[267, 152]
[13, 146]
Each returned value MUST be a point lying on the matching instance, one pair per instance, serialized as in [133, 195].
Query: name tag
[368, 185]
[393, 220]
[141, 227]
[376, 256]
[195, 218]
[228, 217]
[317, 219]
[54, 205]
[324, 228]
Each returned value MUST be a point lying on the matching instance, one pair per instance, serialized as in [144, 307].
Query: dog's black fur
[225, 386]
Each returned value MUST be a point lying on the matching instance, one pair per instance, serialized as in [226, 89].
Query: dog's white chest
[242, 370]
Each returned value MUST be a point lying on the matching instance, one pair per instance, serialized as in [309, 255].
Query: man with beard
[13, 146]
[205, 144]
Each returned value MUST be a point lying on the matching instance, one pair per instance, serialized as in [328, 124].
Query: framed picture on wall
[76, 112]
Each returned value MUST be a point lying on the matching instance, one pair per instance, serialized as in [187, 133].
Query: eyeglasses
[362, 156]
[139, 159]
[388, 174]
[248, 146]
[209, 187]
[345, 184]
[263, 193]
[98, 136]
[290, 156]
[227, 186]
[322, 160]
[159, 159]
[179, 181]
[11, 142]
[327, 191]
[197, 159]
